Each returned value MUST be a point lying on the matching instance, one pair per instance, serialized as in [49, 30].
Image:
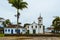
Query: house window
[8, 30]
[15, 30]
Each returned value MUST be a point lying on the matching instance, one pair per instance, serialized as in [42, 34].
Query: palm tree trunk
[17, 17]
[18, 14]
[17, 20]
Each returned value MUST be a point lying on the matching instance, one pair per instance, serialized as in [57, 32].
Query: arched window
[32, 26]
[36, 26]
[40, 26]
[8, 30]
[28, 26]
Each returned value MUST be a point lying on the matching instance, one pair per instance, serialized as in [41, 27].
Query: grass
[1, 35]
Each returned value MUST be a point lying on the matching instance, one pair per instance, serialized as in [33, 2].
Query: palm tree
[18, 4]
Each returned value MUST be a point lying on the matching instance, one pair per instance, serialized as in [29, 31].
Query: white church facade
[36, 28]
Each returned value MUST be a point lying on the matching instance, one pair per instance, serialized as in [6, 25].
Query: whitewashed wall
[14, 32]
[9, 32]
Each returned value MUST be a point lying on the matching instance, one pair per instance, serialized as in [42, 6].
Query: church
[36, 28]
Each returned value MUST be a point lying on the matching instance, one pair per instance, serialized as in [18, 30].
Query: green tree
[56, 24]
[6, 22]
[18, 4]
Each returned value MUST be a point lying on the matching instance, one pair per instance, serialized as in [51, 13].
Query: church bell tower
[40, 20]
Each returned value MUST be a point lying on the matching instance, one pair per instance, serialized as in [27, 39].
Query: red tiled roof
[12, 26]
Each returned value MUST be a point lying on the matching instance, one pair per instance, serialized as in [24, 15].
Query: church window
[39, 20]
[36, 26]
[40, 26]
[32, 26]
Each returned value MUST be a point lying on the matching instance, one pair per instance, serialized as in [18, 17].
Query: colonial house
[35, 28]
[12, 29]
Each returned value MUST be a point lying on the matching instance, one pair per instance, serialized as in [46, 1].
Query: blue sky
[47, 8]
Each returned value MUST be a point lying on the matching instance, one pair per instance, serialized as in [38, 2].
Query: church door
[34, 31]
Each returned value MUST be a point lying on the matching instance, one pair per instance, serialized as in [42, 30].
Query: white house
[13, 30]
[36, 28]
